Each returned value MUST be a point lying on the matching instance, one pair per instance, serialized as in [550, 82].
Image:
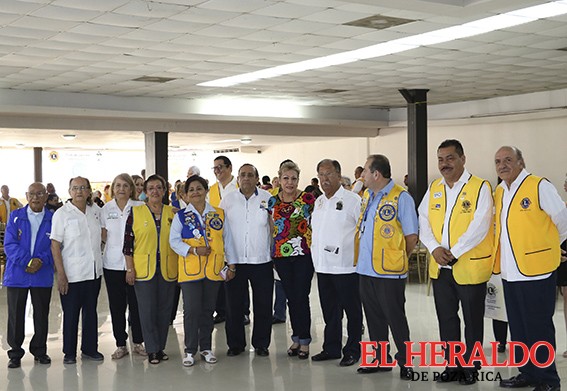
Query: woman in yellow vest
[151, 265]
[198, 235]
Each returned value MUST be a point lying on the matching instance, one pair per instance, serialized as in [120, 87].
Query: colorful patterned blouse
[292, 225]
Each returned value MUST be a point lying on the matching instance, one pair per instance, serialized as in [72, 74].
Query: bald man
[29, 268]
[531, 222]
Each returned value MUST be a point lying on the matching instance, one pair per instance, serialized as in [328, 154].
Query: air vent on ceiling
[379, 22]
[154, 79]
[226, 150]
[330, 91]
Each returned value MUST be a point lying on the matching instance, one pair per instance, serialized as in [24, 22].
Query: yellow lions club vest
[389, 244]
[146, 242]
[195, 267]
[474, 266]
[533, 236]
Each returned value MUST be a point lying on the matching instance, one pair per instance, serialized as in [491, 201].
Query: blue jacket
[17, 245]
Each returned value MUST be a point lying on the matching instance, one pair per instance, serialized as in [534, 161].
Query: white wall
[542, 141]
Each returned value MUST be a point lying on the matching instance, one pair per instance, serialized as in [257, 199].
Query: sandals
[153, 358]
[162, 356]
[209, 356]
[121, 351]
[293, 350]
[188, 360]
[303, 354]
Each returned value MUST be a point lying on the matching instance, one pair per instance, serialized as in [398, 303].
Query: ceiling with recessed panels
[70, 66]
[100, 46]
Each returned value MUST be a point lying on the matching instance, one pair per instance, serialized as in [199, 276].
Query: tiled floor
[245, 372]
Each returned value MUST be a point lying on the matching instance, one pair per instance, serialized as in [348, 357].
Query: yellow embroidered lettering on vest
[533, 236]
[146, 242]
[475, 266]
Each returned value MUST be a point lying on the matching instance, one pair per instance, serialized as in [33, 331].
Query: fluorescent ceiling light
[69, 136]
[470, 29]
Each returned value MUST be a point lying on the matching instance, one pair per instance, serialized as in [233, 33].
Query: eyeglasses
[39, 194]
[81, 188]
[219, 167]
[152, 188]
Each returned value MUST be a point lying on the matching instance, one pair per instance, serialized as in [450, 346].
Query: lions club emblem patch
[387, 231]
[525, 203]
[387, 212]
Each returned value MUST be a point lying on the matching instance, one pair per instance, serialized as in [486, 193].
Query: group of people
[217, 241]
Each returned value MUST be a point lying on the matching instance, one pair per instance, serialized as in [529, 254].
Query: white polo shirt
[114, 221]
[334, 224]
[250, 232]
[79, 235]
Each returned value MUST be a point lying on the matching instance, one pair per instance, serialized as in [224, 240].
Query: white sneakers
[121, 351]
[139, 349]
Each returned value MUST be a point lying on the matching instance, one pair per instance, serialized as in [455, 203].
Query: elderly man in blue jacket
[29, 268]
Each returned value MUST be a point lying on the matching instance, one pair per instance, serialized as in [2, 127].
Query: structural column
[156, 153]
[417, 142]
[37, 164]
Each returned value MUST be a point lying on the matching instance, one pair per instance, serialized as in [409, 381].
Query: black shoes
[45, 359]
[373, 370]
[218, 319]
[347, 361]
[231, 352]
[263, 352]
[547, 387]
[448, 376]
[324, 356]
[277, 321]
[96, 356]
[518, 381]
[69, 359]
[406, 373]
[14, 363]
[468, 377]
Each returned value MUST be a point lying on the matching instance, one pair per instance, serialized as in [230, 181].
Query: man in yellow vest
[455, 221]
[531, 222]
[386, 233]
[226, 183]
[7, 204]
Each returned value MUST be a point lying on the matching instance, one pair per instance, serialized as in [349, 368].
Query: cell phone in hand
[224, 271]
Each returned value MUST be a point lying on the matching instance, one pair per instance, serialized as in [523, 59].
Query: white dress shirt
[477, 229]
[225, 190]
[251, 242]
[114, 221]
[550, 202]
[35, 219]
[80, 235]
[334, 224]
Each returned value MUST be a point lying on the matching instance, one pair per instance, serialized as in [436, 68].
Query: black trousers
[500, 329]
[121, 295]
[261, 279]
[530, 306]
[338, 293]
[17, 298]
[80, 300]
[384, 302]
[448, 294]
[296, 274]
